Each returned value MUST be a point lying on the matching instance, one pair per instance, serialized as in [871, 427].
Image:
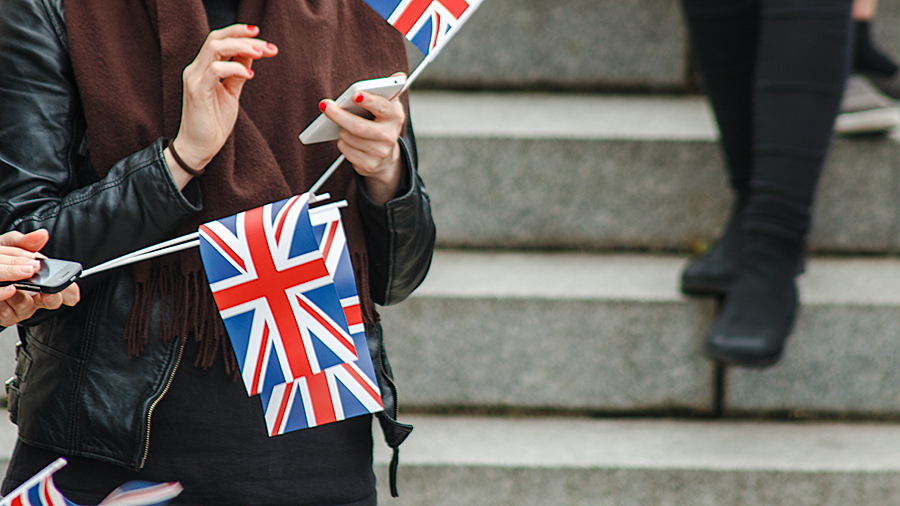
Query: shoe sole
[875, 120]
[755, 362]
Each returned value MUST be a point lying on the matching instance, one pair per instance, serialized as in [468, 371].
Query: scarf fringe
[188, 309]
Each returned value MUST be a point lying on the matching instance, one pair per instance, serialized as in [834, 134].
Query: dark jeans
[774, 71]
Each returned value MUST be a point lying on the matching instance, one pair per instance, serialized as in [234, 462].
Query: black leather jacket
[76, 391]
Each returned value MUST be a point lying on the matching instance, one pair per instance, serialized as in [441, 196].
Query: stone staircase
[549, 359]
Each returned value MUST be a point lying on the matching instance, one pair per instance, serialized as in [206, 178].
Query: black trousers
[774, 71]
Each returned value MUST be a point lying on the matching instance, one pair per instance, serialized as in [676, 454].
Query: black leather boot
[711, 274]
[759, 311]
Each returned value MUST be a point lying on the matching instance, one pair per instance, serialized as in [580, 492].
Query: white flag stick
[411, 79]
[334, 166]
[133, 258]
[115, 262]
[178, 244]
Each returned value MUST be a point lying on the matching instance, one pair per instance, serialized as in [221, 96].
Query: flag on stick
[275, 294]
[39, 490]
[343, 391]
[428, 24]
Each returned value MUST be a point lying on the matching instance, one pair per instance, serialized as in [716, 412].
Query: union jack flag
[275, 294]
[343, 391]
[426, 23]
[40, 490]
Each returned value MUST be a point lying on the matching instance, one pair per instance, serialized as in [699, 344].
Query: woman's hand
[212, 91]
[19, 260]
[371, 145]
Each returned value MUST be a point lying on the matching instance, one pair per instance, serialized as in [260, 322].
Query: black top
[221, 13]
[209, 435]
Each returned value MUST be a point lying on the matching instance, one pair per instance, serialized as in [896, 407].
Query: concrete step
[611, 334]
[633, 45]
[574, 462]
[569, 44]
[521, 170]
[579, 461]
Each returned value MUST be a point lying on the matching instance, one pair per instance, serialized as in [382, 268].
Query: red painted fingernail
[323, 105]
[359, 98]
[251, 27]
[250, 71]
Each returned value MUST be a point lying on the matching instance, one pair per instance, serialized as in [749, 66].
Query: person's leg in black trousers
[724, 34]
[802, 57]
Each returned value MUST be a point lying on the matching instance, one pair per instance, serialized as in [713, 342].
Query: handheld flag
[428, 24]
[275, 294]
[39, 490]
[340, 392]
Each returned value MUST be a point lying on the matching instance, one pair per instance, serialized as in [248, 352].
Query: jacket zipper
[155, 402]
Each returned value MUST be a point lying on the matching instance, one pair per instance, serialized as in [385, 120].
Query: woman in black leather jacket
[68, 165]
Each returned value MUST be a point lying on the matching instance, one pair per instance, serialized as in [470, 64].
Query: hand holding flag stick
[429, 24]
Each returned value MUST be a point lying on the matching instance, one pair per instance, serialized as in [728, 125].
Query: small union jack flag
[426, 23]
[275, 294]
[39, 490]
[343, 391]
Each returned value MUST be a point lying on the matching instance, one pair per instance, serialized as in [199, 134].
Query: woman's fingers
[236, 30]
[18, 257]
[221, 70]
[386, 126]
[47, 301]
[32, 241]
[232, 42]
[16, 305]
[22, 305]
[382, 108]
[235, 84]
[12, 251]
[15, 272]
[375, 150]
[71, 295]
[5, 293]
[227, 49]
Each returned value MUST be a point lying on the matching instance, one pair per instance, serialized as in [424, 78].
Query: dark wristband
[183, 165]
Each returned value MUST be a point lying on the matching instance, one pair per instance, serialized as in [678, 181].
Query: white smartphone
[323, 129]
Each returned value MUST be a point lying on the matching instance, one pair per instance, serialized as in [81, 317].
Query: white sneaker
[865, 109]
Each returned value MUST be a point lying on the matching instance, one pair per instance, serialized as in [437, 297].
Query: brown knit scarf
[128, 57]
